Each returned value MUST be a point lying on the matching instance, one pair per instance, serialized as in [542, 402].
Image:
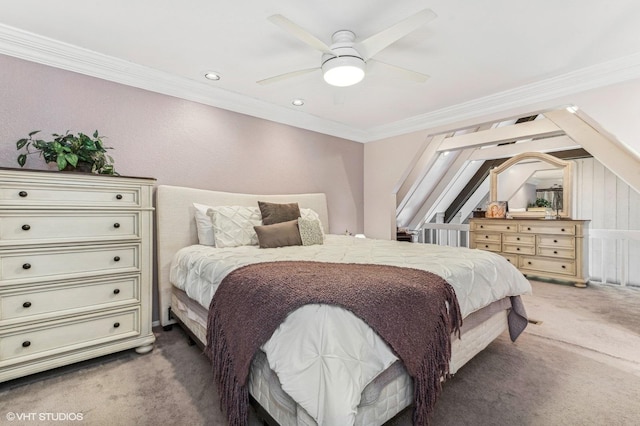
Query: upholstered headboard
[176, 226]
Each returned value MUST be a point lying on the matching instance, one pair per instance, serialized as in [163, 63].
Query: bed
[487, 286]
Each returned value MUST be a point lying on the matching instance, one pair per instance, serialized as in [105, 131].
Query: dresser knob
[555, 241]
[23, 194]
[528, 229]
[555, 252]
[116, 258]
[26, 305]
[529, 263]
[116, 325]
[26, 266]
[518, 238]
[116, 225]
[564, 267]
[26, 344]
[116, 291]
[26, 227]
[518, 249]
[562, 230]
[508, 227]
[481, 226]
[119, 197]
[486, 236]
[486, 246]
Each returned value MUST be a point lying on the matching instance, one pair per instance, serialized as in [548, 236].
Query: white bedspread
[336, 354]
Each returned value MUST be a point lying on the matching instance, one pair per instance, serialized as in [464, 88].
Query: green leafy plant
[69, 151]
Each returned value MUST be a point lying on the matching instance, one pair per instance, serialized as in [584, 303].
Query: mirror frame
[566, 181]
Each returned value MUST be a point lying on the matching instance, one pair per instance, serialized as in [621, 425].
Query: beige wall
[180, 142]
[615, 108]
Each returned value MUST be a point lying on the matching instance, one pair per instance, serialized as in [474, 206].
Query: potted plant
[70, 152]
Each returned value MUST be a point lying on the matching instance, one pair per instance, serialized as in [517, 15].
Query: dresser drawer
[511, 258]
[488, 246]
[61, 336]
[48, 300]
[14, 193]
[547, 228]
[519, 239]
[21, 228]
[556, 241]
[21, 266]
[518, 249]
[482, 238]
[487, 225]
[556, 266]
[563, 253]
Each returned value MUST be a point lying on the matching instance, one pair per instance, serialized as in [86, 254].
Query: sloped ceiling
[481, 56]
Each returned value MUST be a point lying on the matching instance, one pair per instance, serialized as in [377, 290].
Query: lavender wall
[180, 142]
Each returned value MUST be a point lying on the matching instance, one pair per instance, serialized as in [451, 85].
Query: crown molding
[592, 77]
[32, 47]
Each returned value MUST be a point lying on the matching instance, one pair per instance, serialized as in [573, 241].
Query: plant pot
[82, 167]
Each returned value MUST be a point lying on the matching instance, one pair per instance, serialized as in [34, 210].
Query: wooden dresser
[75, 268]
[556, 249]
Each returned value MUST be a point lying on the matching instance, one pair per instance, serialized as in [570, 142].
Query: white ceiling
[481, 56]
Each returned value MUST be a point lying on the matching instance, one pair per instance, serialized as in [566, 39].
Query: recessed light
[210, 75]
[298, 102]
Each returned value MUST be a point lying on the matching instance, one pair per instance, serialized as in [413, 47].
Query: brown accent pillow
[279, 234]
[276, 213]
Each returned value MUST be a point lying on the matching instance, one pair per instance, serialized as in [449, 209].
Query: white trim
[32, 47]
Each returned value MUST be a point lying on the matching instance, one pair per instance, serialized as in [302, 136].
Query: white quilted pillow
[233, 225]
[310, 214]
[204, 225]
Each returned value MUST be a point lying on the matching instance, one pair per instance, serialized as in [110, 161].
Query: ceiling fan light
[343, 71]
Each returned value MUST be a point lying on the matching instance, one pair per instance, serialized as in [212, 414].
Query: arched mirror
[534, 184]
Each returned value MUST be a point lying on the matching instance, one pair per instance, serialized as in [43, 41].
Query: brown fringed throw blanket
[405, 306]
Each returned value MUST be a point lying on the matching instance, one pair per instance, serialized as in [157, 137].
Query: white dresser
[75, 268]
[555, 249]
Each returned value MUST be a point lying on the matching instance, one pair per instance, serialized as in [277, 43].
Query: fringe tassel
[427, 383]
[234, 396]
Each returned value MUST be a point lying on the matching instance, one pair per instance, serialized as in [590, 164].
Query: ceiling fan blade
[403, 72]
[375, 43]
[285, 76]
[300, 33]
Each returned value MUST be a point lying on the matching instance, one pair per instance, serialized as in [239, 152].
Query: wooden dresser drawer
[563, 253]
[512, 259]
[555, 266]
[23, 266]
[482, 238]
[518, 249]
[48, 300]
[488, 246]
[519, 239]
[41, 194]
[548, 227]
[556, 241]
[60, 336]
[21, 228]
[501, 226]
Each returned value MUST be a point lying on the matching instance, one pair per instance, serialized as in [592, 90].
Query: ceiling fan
[344, 62]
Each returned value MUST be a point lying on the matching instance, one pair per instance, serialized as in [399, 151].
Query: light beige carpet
[579, 366]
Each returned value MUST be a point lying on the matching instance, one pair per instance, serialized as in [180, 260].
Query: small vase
[82, 167]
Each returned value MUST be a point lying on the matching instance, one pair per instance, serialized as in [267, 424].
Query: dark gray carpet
[537, 381]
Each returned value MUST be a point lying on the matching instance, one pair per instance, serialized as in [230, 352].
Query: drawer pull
[528, 229]
[486, 236]
[23, 194]
[481, 226]
[26, 227]
[116, 259]
[116, 325]
[26, 266]
[564, 267]
[562, 230]
[116, 225]
[528, 263]
[508, 227]
[26, 305]
[517, 238]
[555, 241]
[116, 291]
[119, 197]
[518, 249]
[26, 344]
[486, 246]
[555, 252]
